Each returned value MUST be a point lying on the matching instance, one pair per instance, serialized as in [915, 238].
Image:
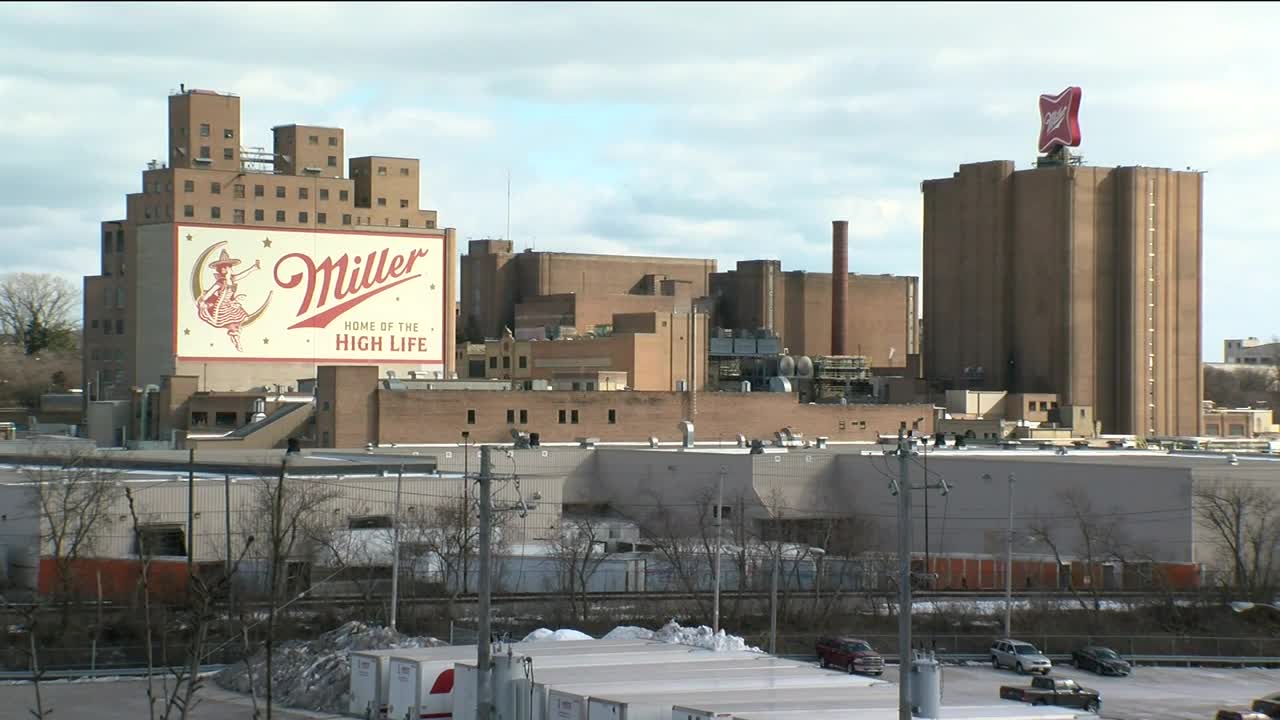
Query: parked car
[1228, 714]
[1268, 705]
[852, 654]
[1051, 691]
[1021, 656]
[1100, 660]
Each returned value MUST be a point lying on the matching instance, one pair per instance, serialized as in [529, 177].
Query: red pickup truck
[1053, 691]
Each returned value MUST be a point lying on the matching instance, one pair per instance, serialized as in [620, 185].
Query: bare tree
[686, 542]
[578, 547]
[39, 310]
[73, 504]
[1243, 522]
[1097, 537]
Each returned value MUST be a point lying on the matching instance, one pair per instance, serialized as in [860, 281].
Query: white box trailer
[976, 712]
[372, 673]
[529, 697]
[660, 695]
[371, 677]
[464, 671]
[721, 703]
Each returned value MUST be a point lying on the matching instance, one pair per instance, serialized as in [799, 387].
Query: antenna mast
[508, 203]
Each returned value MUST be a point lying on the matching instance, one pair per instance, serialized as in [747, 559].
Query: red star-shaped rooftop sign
[1060, 119]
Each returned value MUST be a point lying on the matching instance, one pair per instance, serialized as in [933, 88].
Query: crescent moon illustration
[197, 286]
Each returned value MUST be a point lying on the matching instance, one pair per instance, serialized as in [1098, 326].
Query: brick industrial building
[881, 322]
[1080, 281]
[257, 205]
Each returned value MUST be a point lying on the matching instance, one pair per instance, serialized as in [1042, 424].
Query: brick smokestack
[839, 285]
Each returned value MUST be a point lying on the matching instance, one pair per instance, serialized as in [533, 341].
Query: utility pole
[395, 550]
[226, 515]
[484, 705]
[904, 577]
[715, 611]
[191, 512]
[466, 510]
[1008, 568]
[773, 604]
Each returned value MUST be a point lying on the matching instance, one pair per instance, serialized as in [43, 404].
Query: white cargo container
[658, 698]
[464, 675]
[529, 697]
[976, 712]
[371, 679]
[720, 703]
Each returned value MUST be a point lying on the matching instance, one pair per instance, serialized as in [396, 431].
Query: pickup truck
[1054, 691]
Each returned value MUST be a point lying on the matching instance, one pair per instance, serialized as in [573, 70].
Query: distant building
[795, 306]
[1244, 423]
[1251, 351]
[244, 267]
[1079, 281]
[531, 290]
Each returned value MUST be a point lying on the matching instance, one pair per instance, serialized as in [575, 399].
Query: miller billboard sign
[253, 294]
[1060, 120]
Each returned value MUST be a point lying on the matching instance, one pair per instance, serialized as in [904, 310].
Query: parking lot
[1149, 694]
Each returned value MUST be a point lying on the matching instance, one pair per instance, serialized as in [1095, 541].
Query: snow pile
[316, 674]
[543, 634]
[701, 636]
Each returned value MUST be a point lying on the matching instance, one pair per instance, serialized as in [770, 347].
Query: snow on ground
[701, 636]
[543, 634]
[316, 674]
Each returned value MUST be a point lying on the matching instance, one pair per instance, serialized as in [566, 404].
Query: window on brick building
[204, 129]
[313, 139]
[332, 161]
[524, 362]
[237, 216]
[215, 188]
[506, 362]
[199, 418]
[493, 363]
[343, 195]
[280, 191]
[471, 417]
[258, 190]
[431, 224]
[573, 417]
[228, 134]
[322, 218]
[215, 213]
[324, 193]
[120, 243]
[303, 193]
[404, 222]
[258, 215]
[382, 202]
[237, 191]
[188, 211]
[333, 141]
[404, 171]
[224, 419]
[562, 414]
[613, 417]
[511, 417]
[228, 154]
[279, 216]
[382, 169]
[524, 417]
[302, 217]
[188, 186]
[404, 203]
[346, 219]
[204, 152]
[120, 327]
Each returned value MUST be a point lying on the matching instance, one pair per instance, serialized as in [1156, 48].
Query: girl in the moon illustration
[220, 305]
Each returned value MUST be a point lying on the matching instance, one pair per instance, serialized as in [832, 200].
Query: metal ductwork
[686, 433]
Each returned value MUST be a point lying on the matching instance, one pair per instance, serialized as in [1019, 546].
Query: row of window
[569, 417]
[200, 418]
[315, 140]
[237, 191]
[106, 355]
[1045, 406]
[227, 133]
[506, 362]
[304, 217]
[112, 238]
[382, 170]
[108, 293]
[107, 325]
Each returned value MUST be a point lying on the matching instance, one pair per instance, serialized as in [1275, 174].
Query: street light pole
[715, 612]
[484, 706]
[1008, 568]
[904, 578]
[466, 509]
[395, 550]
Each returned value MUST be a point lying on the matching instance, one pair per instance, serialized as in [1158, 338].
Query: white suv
[1021, 656]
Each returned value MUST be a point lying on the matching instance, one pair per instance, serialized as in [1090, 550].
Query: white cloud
[699, 129]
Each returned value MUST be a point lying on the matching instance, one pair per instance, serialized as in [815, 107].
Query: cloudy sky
[704, 130]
